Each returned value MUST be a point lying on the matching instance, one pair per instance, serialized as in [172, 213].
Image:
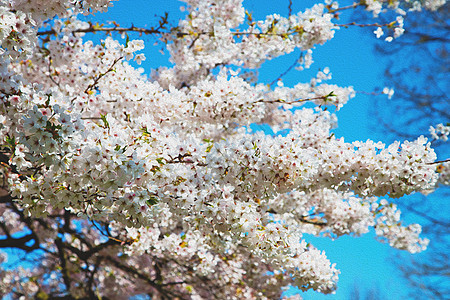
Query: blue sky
[363, 261]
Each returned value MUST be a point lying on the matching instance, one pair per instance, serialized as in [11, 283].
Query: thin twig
[287, 70]
[366, 25]
[439, 161]
[290, 8]
[291, 102]
[96, 80]
[331, 10]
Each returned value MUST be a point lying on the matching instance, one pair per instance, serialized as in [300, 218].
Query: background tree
[418, 70]
[373, 293]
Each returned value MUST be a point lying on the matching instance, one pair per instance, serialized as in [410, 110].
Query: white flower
[388, 91]
[378, 32]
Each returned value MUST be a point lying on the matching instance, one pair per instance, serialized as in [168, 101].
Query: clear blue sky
[363, 261]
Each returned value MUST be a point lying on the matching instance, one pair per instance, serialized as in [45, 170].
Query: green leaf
[145, 132]
[127, 40]
[155, 169]
[41, 295]
[152, 201]
[11, 141]
[105, 122]
[179, 180]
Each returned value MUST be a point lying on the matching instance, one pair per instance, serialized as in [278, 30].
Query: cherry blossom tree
[119, 184]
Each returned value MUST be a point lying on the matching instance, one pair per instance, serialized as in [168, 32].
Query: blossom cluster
[47, 9]
[19, 20]
[402, 6]
[444, 173]
[440, 132]
[219, 40]
[389, 227]
[17, 32]
[170, 162]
